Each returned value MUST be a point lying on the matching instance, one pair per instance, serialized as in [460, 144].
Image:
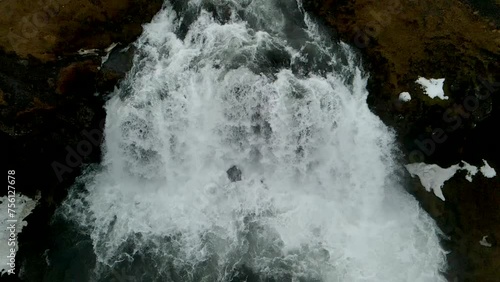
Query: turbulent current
[240, 147]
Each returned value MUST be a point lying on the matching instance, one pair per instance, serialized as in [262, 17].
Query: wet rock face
[403, 40]
[51, 124]
[51, 98]
[234, 174]
[45, 104]
[488, 8]
[46, 108]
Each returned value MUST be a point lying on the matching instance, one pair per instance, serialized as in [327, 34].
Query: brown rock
[2, 99]
[77, 78]
[46, 29]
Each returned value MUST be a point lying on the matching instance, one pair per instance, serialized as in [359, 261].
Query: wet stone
[234, 173]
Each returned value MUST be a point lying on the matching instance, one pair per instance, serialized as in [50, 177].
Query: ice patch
[484, 242]
[432, 176]
[487, 170]
[108, 51]
[83, 52]
[471, 170]
[111, 47]
[23, 207]
[433, 87]
[404, 97]
[96, 52]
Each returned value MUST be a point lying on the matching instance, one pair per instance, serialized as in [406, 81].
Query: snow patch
[111, 47]
[83, 52]
[23, 207]
[484, 242]
[433, 87]
[432, 176]
[471, 170]
[108, 51]
[404, 97]
[487, 170]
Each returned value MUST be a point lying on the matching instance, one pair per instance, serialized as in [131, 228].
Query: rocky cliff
[53, 85]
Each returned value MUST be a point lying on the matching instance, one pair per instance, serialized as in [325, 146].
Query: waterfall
[240, 147]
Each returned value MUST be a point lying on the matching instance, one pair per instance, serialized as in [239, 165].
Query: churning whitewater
[258, 87]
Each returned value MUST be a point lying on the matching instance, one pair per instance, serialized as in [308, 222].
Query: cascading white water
[252, 84]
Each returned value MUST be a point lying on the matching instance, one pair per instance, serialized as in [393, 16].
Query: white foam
[433, 87]
[23, 207]
[318, 198]
[404, 97]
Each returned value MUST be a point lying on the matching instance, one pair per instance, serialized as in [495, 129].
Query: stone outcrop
[401, 40]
